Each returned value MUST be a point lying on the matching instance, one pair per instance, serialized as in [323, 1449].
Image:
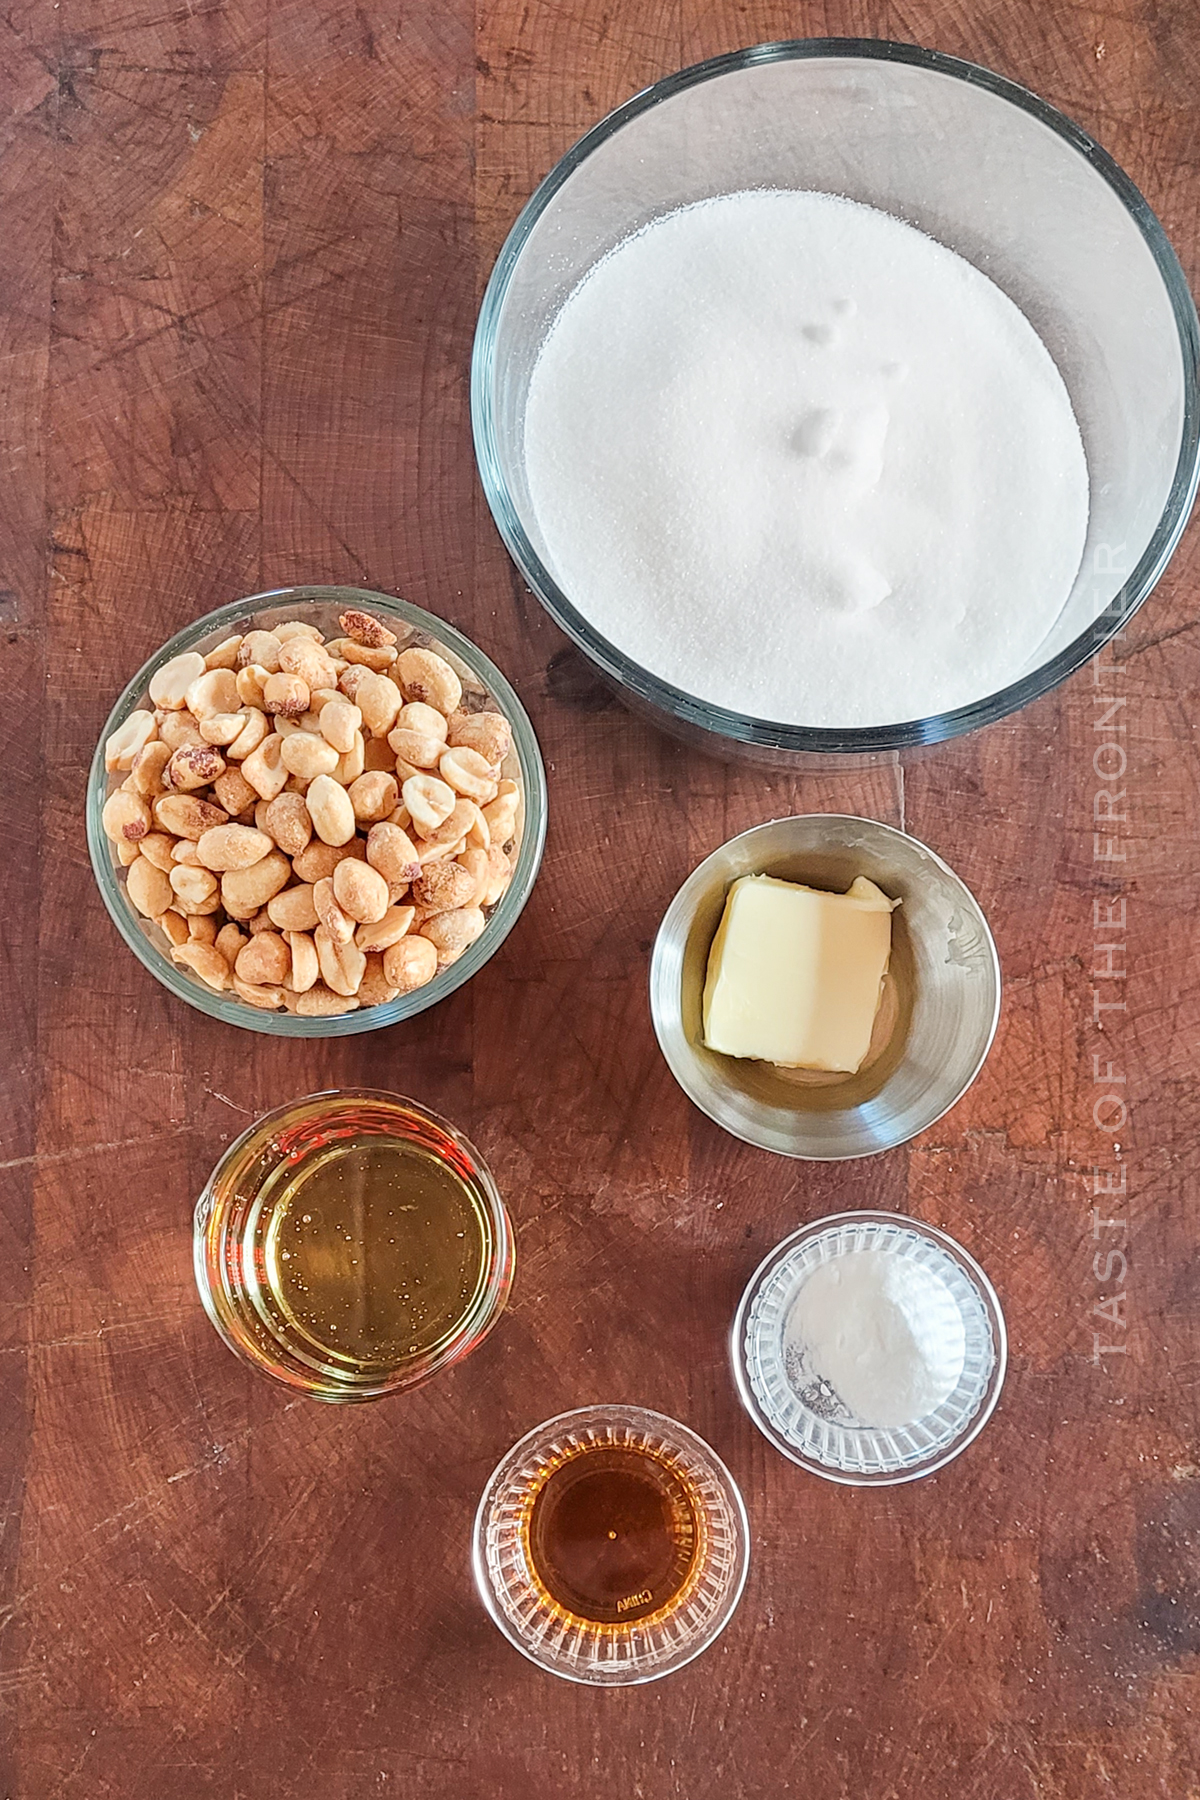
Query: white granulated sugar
[793, 456]
[882, 1331]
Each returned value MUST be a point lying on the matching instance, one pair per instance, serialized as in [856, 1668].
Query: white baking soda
[882, 1332]
[796, 458]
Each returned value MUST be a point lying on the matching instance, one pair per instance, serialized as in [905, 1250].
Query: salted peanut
[216, 691]
[354, 762]
[364, 628]
[185, 816]
[468, 773]
[320, 1003]
[375, 989]
[265, 960]
[342, 965]
[197, 766]
[250, 684]
[306, 969]
[286, 819]
[420, 749]
[446, 837]
[426, 721]
[255, 726]
[410, 963]
[126, 852]
[267, 999]
[297, 628]
[169, 685]
[501, 815]
[244, 891]
[148, 888]
[479, 832]
[185, 851]
[308, 756]
[145, 775]
[294, 909]
[260, 921]
[475, 862]
[374, 797]
[205, 961]
[330, 810]
[126, 816]
[179, 730]
[264, 768]
[500, 873]
[286, 694]
[123, 745]
[378, 755]
[310, 720]
[192, 884]
[234, 792]
[328, 909]
[445, 887]
[428, 677]
[311, 661]
[379, 700]
[173, 926]
[429, 800]
[351, 679]
[259, 649]
[202, 928]
[222, 729]
[451, 933]
[230, 941]
[401, 817]
[318, 861]
[225, 655]
[339, 719]
[487, 733]
[286, 727]
[232, 847]
[360, 891]
[393, 853]
[156, 847]
[362, 656]
[382, 933]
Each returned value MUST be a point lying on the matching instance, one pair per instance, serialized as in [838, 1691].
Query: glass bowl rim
[489, 1304]
[623, 1412]
[958, 1254]
[508, 909]
[718, 722]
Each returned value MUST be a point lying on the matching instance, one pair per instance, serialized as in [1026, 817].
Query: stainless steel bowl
[943, 993]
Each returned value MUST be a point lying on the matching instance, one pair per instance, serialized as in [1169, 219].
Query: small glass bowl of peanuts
[316, 811]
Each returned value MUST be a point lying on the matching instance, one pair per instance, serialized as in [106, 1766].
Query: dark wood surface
[242, 244]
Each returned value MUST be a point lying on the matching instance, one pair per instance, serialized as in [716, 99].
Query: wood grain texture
[244, 243]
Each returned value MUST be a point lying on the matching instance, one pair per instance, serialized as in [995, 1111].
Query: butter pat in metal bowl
[936, 1018]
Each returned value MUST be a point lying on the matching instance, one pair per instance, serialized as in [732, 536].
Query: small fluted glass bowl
[549, 1633]
[791, 1400]
[320, 606]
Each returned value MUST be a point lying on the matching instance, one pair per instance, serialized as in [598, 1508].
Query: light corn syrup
[796, 458]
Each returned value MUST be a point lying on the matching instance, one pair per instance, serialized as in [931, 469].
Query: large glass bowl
[320, 606]
[978, 163]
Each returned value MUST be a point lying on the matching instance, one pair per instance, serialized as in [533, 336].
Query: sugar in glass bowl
[978, 163]
[320, 606]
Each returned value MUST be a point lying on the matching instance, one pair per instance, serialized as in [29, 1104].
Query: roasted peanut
[169, 685]
[354, 762]
[251, 681]
[305, 967]
[445, 887]
[475, 862]
[307, 755]
[501, 814]
[320, 1003]
[393, 853]
[156, 848]
[184, 816]
[410, 963]
[338, 721]
[205, 961]
[261, 921]
[375, 989]
[224, 655]
[500, 873]
[293, 909]
[192, 885]
[126, 852]
[185, 851]
[126, 816]
[216, 691]
[452, 932]
[286, 819]
[342, 965]
[420, 749]
[195, 766]
[379, 700]
[232, 847]
[429, 800]
[286, 694]
[123, 745]
[360, 891]
[265, 960]
[373, 797]
[427, 721]
[330, 810]
[450, 833]
[487, 733]
[378, 754]
[264, 768]
[268, 999]
[179, 730]
[234, 792]
[149, 888]
[468, 774]
[361, 654]
[318, 861]
[297, 628]
[243, 891]
[382, 933]
[259, 649]
[230, 941]
[365, 629]
[428, 677]
[202, 929]
[301, 656]
[173, 926]
[328, 909]
[254, 729]
[222, 729]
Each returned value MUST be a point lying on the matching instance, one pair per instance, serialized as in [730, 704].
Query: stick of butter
[795, 975]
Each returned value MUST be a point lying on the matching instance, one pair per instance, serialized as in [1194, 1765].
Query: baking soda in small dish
[801, 461]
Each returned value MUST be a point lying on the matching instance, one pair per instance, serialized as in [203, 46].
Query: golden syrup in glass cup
[611, 1545]
[352, 1244]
